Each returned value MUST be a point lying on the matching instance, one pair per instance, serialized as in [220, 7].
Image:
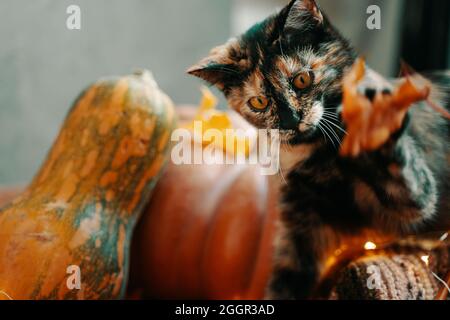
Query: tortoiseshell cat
[286, 73]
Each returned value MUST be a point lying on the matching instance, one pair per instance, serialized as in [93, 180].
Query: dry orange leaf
[370, 124]
[211, 118]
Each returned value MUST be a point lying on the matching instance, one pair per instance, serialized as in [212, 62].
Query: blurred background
[44, 66]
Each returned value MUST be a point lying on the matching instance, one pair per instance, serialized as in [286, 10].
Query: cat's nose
[289, 119]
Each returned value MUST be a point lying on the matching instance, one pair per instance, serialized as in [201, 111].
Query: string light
[5, 294]
[441, 281]
[425, 259]
[370, 245]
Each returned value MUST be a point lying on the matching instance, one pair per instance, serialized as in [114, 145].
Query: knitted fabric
[397, 273]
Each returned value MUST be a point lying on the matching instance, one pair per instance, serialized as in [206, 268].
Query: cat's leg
[299, 259]
[399, 183]
[295, 272]
[403, 190]
[312, 201]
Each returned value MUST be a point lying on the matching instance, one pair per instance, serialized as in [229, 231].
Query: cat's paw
[373, 84]
[373, 109]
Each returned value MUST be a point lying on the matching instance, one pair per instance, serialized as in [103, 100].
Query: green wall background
[44, 66]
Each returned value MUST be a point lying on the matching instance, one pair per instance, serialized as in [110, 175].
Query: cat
[286, 73]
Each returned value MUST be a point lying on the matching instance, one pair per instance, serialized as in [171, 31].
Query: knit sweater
[407, 270]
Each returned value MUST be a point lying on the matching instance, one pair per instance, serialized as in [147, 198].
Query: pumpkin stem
[146, 76]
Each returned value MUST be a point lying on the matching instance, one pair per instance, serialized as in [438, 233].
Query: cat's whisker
[331, 114]
[334, 116]
[281, 168]
[338, 138]
[321, 130]
[333, 133]
[288, 147]
[283, 179]
[329, 137]
[330, 117]
[335, 125]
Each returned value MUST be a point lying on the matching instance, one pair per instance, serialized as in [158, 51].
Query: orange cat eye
[303, 80]
[259, 103]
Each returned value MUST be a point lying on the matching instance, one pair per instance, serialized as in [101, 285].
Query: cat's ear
[222, 64]
[301, 15]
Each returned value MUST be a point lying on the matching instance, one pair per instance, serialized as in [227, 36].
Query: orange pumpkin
[79, 212]
[9, 193]
[207, 233]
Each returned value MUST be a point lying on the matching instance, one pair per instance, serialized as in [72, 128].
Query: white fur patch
[313, 117]
[293, 155]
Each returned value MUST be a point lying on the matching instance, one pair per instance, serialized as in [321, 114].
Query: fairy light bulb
[369, 245]
[425, 259]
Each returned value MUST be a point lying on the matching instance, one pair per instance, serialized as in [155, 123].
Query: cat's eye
[259, 103]
[303, 80]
